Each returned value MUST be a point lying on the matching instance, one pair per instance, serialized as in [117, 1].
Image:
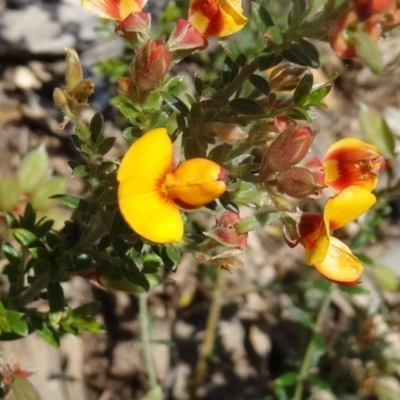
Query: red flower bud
[151, 65]
[225, 232]
[368, 8]
[135, 28]
[289, 148]
[185, 39]
[297, 182]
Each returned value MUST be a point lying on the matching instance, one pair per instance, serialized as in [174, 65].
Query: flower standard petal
[196, 182]
[340, 264]
[113, 9]
[142, 198]
[216, 17]
[351, 162]
[346, 206]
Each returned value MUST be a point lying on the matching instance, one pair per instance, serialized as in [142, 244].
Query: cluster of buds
[284, 165]
[74, 98]
[155, 57]
[368, 17]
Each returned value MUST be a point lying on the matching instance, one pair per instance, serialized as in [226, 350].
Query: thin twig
[305, 365]
[207, 345]
[145, 336]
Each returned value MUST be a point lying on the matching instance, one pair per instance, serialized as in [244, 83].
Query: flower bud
[135, 28]
[185, 39]
[151, 65]
[337, 38]
[297, 182]
[289, 148]
[228, 133]
[367, 8]
[225, 232]
[286, 76]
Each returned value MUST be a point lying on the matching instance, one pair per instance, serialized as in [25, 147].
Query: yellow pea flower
[351, 162]
[332, 258]
[216, 17]
[150, 191]
[113, 9]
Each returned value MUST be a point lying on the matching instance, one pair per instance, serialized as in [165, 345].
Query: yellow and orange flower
[216, 17]
[332, 258]
[151, 190]
[210, 17]
[113, 9]
[351, 162]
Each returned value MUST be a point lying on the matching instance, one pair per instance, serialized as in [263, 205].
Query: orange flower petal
[113, 9]
[196, 182]
[340, 264]
[142, 197]
[346, 206]
[351, 162]
[216, 17]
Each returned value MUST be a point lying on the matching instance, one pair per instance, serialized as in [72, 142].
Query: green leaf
[72, 202]
[132, 133]
[27, 221]
[296, 12]
[41, 198]
[246, 106]
[33, 170]
[135, 276]
[20, 328]
[118, 225]
[314, 7]
[25, 237]
[198, 84]
[302, 53]
[353, 290]
[157, 119]
[274, 34]
[303, 88]
[76, 141]
[230, 70]
[107, 167]
[173, 83]
[43, 227]
[11, 254]
[234, 52]
[261, 17]
[368, 52]
[96, 126]
[267, 59]
[176, 104]
[105, 145]
[386, 278]
[81, 171]
[87, 309]
[300, 316]
[48, 334]
[260, 83]
[22, 389]
[9, 193]
[376, 131]
[287, 379]
[108, 197]
[55, 295]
